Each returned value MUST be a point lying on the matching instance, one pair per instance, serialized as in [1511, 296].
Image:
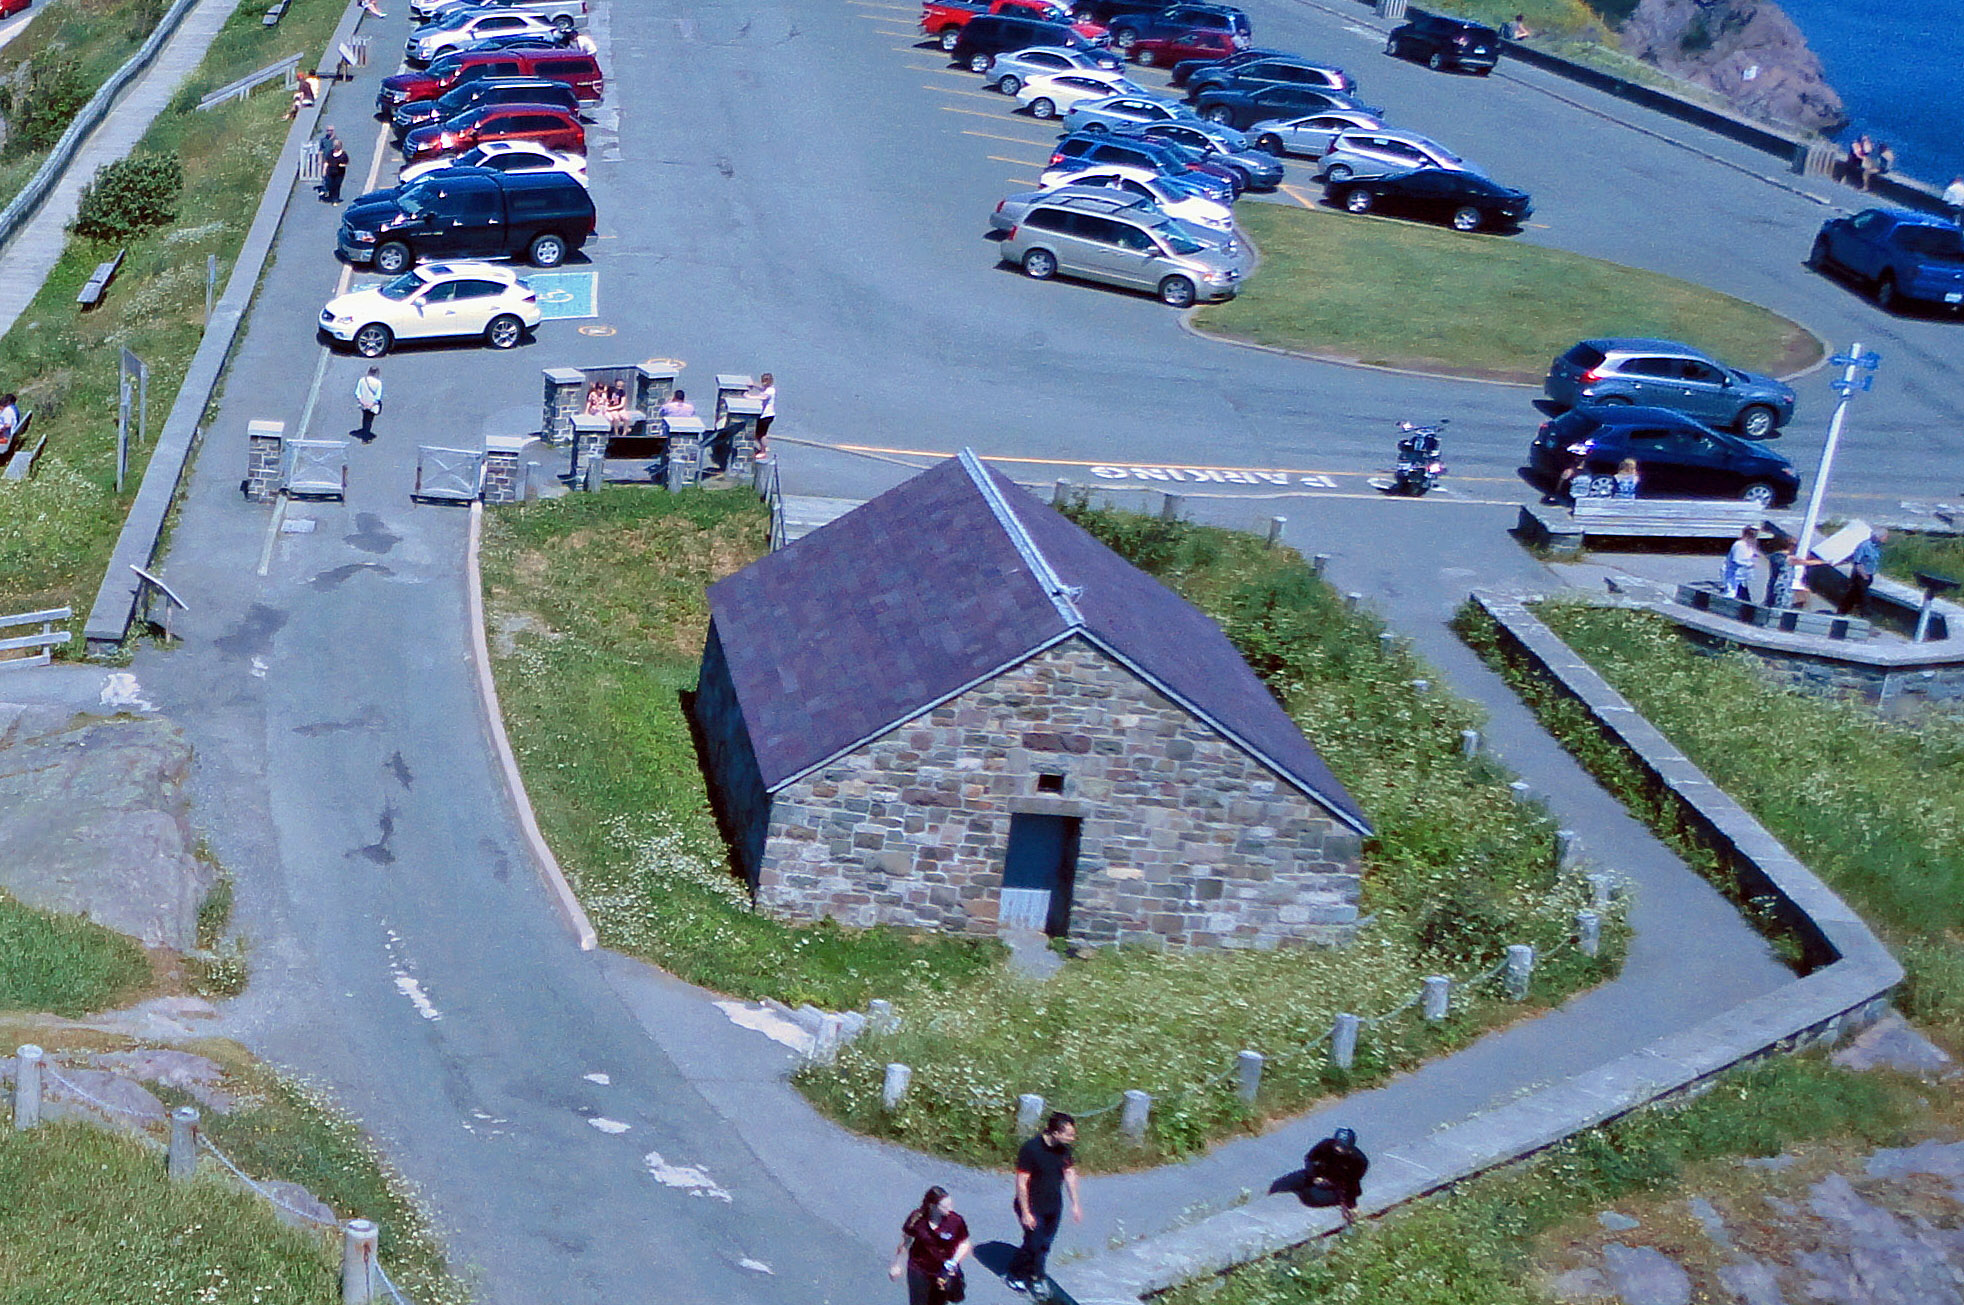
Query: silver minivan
[1146, 251]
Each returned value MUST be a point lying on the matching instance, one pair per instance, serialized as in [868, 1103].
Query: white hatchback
[503, 156]
[1170, 196]
[435, 301]
[1050, 95]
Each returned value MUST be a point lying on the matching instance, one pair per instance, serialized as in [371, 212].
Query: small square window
[1050, 783]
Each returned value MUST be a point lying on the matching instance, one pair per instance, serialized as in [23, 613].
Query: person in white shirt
[9, 420]
[1737, 577]
[368, 397]
[1954, 200]
[765, 389]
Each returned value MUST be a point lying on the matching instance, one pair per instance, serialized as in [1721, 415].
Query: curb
[35, 192]
[114, 609]
[1848, 988]
[550, 873]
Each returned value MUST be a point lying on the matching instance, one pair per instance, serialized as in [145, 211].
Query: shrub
[129, 197]
[43, 103]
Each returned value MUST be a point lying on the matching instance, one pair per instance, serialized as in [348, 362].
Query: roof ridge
[1061, 596]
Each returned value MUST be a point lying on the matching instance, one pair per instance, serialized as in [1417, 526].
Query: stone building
[954, 709]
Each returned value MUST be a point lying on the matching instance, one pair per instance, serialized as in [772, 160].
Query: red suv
[553, 128]
[580, 71]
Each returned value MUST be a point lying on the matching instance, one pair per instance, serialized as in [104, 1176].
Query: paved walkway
[28, 258]
[587, 1128]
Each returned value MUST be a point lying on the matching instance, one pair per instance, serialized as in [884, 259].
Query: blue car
[1908, 258]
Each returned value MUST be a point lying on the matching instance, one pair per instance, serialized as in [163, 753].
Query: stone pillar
[893, 1090]
[27, 1086]
[265, 451]
[652, 386]
[684, 451]
[1438, 997]
[1029, 1114]
[728, 386]
[1135, 1115]
[1343, 1040]
[739, 432]
[590, 436]
[565, 395]
[1248, 1072]
[501, 472]
[1519, 972]
[181, 1162]
[1589, 932]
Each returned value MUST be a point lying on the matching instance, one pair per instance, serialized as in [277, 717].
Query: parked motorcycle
[1419, 465]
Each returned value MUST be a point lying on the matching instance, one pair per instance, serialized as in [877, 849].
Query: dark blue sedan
[1909, 258]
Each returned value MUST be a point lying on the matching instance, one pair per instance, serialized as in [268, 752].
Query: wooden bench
[20, 459]
[1666, 518]
[273, 15]
[1705, 597]
[98, 283]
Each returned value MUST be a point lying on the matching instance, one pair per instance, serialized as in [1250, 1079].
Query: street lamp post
[1857, 374]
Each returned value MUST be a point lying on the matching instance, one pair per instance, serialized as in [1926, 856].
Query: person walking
[766, 390]
[1333, 1173]
[933, 1243]
[1736, 579]
[335, 156]
[1046, 1170]
[1863, 563]
[368, 397]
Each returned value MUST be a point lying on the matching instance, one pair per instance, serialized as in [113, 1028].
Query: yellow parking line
[996, 96]
[1296, 195]
[950, 72]
[1021, 163]
[1021, 181]
[973, 113]
[874, 4]
[1013, 140]
[1539, 226]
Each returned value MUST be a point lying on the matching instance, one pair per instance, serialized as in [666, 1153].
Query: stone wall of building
[1185, 840]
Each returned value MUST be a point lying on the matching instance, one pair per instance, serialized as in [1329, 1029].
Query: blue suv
[1909, 258]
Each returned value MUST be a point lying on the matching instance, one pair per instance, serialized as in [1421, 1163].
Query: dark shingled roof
[945, 581]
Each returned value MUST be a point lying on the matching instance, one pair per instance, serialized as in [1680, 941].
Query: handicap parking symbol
[564, 295]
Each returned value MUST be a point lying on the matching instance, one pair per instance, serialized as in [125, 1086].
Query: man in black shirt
[1045, 1171]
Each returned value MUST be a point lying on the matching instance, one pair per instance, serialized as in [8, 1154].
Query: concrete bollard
[893, 1089]
[1438, 1002]
[1169, 506]
[1520, 969]
[1060, 493]
[1248, 1070]
[183, 1163]
[1568, 849]
[1519, 788]
[1387, 644]
[1421, 687]
[825, 1044]
[1320, 563]
[1343, 1040]
[1469, 744]
[880, 1017]
[1134, 1115]
[1353, 600]
[358, 1238]
[1029, 1114]
[1276, 527]
[1588, 932]
[1600, 891]
[27, 1086]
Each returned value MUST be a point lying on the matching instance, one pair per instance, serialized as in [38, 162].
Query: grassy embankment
[70, 49]
[1403, 294]
[57, 529]
[91, 1216]
[592, 678]
[1875, 807]
[64, 964]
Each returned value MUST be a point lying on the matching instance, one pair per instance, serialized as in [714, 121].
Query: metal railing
[44, 643]
[285, 69]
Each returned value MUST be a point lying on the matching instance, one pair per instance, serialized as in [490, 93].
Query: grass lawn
[1905, 554]
[1873, 806]
[57, 529]
[90, 1215]
[596, 614]
[1403, 294]
[89, 39]
[1495, 1240]
[64, 964]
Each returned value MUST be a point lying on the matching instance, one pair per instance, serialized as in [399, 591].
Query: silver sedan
[1124, 111]
[1008, 73]
[1309, 136]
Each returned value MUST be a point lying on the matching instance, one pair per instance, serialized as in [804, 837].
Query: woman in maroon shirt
[933, 1243]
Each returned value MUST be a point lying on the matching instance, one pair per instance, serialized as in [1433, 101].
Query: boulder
[1746, 51]
[93, 821]
[198, 1076]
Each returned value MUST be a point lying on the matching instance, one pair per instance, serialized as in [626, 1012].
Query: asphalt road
[800, 189]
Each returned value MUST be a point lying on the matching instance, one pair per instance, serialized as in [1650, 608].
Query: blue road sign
[565, 295]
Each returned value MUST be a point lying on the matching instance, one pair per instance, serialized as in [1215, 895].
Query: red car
[8, 8]
[1169, 50]
[553, 128]
[576, 69]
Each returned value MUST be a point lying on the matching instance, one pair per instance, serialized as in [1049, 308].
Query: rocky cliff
[1745, 50]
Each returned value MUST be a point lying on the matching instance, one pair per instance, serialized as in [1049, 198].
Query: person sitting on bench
[9, 420]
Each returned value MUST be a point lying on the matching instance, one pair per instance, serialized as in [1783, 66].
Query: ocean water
[1899, 67]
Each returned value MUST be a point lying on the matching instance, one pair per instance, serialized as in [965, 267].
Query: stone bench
[98, 282]
[1705, 597]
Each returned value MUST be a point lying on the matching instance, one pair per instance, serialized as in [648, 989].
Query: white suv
[435, 301]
